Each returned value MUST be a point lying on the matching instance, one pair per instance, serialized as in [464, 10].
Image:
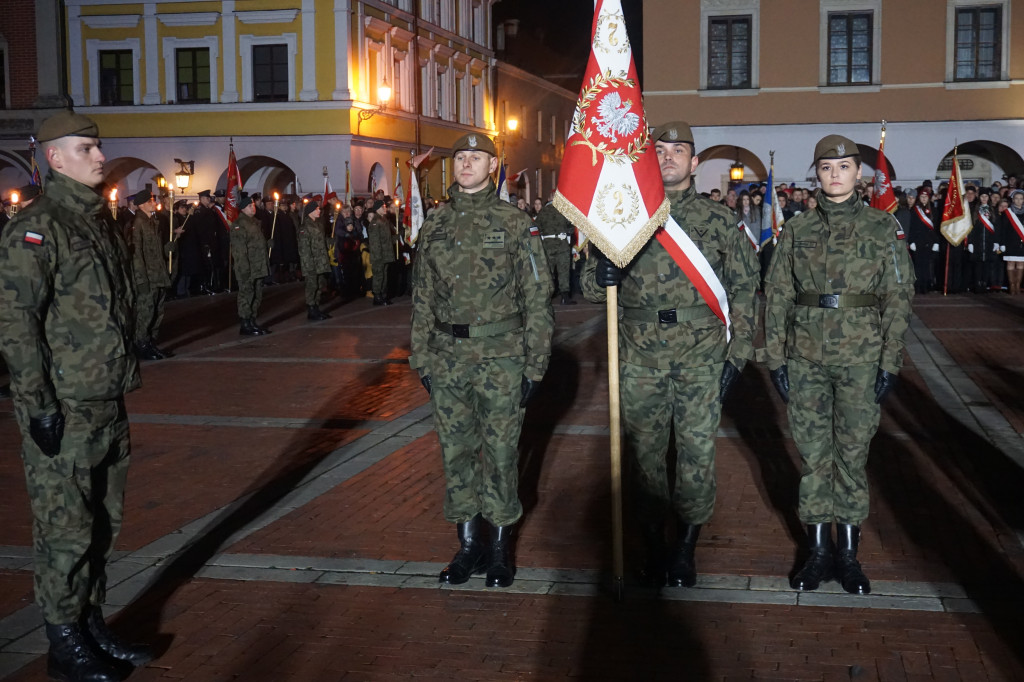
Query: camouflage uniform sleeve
[894, 302]
[742, 274]
[780, 292]
[26, 288]
[536, 288]
[136, 248]
[422, 315]
[592, 291]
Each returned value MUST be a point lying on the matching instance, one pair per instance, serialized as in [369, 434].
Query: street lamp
[383, 97]
[184, 174]
[736, 169]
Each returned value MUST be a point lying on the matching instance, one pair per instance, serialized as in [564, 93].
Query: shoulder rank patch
[33, 238]
[534, 231]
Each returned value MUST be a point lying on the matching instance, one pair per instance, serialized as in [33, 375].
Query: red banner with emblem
[233, 193]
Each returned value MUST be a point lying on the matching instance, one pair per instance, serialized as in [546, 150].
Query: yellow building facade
[754, 76]
[299, 87]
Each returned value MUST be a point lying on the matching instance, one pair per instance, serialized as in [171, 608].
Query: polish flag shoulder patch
[534, 232]
[33, 238]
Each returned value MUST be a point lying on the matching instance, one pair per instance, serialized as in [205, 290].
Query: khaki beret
[65, 124]
[835, 147]
[673, 131]
[474, 142]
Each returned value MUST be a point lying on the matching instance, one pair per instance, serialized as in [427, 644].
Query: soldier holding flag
[677, 361]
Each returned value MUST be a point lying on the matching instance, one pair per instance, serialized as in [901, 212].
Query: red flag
[233, 193]
[609, 186]
[329, 194]
[956, 219]
[884, 199]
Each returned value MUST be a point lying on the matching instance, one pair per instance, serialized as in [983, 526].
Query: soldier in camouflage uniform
[381, 242]
[556, 231]
[313, 259]
[66, 334]
[838, 306]
[675, 362]
[481, 340]
[149, 273]
[250, 253]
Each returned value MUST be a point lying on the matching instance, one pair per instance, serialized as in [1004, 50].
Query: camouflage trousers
[250, 295]
[833, 416]
[380, 279]
[149, 311]
[560, 263]
[653, 401]
[314, 283]
[478, 421]
[77, 500]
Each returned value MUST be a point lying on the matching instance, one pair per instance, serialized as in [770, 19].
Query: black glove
[780, 380]
[729, 376]
[884, 383]
[608, 274]
[426, 383]
[47, 432]
[529, 390]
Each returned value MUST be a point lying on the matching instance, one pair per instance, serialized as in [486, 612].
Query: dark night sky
[566, 25]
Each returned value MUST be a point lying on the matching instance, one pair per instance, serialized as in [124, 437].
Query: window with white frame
[192, 75]
[979, 45]
[268, 67]
[116, 73]
[730, 44]
[480, 36]
[850, 41]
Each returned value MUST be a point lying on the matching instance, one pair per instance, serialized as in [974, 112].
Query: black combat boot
[71, 659]
[818, 568]
[246, 328]
[501, 570]
[567, 299]
[164, 353]
[144, 351]
[259, 329]
[652, 574]
[848, 570]
[112, 645]
[472, 554]
[314, 313]
[683, 571]
[379, 300]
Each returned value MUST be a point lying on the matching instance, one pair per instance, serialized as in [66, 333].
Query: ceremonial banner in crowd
[956, 218]
[413, 202]
[772, 208]
[884, 199]
[233, 192]
[609, 185]
[329, 193]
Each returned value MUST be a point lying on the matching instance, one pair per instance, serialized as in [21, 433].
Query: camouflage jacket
[66, 300]
[149, 259]
[249, 249]
[381, 240]
[551, 224]
[844, 248]
[653, 281]
[312, 248]
[480, 261]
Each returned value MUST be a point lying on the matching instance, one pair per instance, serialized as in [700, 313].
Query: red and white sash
[754, 241]
[1015, 222]
[983, 217]
[697, 268]
[925, 218]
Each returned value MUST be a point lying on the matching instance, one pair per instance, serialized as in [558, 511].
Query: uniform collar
[844, 210]
[468, 202]
[73, 194]
[682, 196]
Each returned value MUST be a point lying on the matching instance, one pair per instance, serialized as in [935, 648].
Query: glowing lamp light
[513, 124]
[384, 92]
[15, 197]
[736, 172]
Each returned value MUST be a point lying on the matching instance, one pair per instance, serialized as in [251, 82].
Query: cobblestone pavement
[283, 519]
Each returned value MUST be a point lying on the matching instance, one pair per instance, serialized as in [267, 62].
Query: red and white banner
[610, 184]
[413, 201]
[884, 199]
[233, 193]
[956, 217]
[986, 221]
[329, 193]
[749, 232]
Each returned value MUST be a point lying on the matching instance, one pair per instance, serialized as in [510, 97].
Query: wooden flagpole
[615, 434]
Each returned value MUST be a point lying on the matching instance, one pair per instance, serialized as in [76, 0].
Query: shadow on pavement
[307, 450]
[945, 529]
